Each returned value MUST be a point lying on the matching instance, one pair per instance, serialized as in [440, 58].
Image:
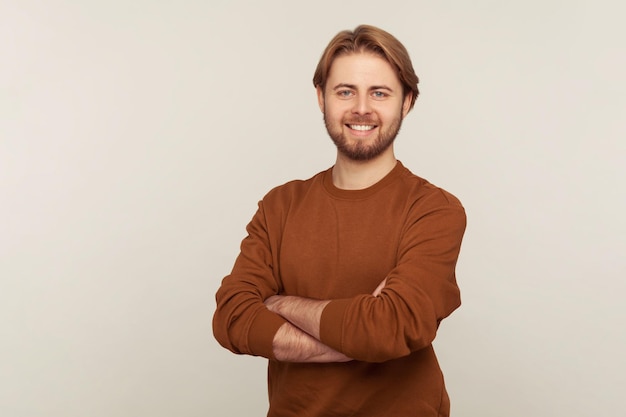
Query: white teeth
[361, 127]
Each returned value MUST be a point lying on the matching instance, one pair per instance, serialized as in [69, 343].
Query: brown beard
[361, 151]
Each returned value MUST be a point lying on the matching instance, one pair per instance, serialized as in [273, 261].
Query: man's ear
[406, 105]
[320, 97]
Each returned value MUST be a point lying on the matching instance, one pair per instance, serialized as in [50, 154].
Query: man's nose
[361, 105]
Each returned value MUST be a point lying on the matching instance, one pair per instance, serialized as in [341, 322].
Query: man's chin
[361, 153]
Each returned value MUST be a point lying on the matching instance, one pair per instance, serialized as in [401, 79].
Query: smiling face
[363, 105]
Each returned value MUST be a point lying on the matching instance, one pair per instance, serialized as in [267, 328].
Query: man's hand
[271, 303]
[304, 313]
[298, 340]
[380, 287]
[291, 344]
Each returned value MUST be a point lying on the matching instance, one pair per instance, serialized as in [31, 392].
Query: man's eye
[344, 93]
[379, 94]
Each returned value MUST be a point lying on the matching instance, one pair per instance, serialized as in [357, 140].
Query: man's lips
[361, 128]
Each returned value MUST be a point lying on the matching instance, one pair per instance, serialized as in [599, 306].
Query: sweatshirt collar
[362, 193]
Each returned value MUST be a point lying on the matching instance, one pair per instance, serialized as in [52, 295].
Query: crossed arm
[298, 339]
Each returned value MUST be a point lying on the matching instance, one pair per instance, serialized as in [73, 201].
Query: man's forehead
[363, 70]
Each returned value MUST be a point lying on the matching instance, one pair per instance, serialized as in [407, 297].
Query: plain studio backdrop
[136, 138]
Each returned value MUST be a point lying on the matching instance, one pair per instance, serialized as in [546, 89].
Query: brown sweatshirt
[311, 239]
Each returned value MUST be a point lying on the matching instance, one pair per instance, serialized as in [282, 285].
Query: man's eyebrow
[344, 85]
[353, 87]
[381, 87]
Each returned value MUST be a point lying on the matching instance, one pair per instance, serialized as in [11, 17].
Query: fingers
[380, 287]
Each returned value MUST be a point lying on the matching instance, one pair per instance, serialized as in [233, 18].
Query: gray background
[136, 138]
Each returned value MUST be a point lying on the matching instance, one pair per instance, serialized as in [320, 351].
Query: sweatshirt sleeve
[241, 322]
[421, 290]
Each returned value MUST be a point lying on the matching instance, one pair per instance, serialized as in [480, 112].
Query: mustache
[361, 120]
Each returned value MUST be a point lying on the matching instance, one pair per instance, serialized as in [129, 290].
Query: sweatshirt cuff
[331, 323]
[262, 332]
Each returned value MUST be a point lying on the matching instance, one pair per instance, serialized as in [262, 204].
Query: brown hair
[371, 39]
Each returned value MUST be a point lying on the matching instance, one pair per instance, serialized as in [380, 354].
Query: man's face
[363, 105]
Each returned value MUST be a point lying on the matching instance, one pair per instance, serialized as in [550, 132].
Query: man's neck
[357, 175]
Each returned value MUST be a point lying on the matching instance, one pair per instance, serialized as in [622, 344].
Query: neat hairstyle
[370, 39]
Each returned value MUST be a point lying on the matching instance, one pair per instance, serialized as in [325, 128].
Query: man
[343, 279]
